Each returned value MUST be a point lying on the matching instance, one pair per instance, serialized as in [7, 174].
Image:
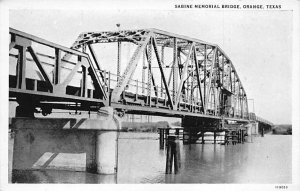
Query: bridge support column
[107, 142]
[67, 143]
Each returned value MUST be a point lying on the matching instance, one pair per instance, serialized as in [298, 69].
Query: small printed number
[281, 187]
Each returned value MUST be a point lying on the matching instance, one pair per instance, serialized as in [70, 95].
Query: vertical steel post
[149, 59]
[119, 62]
[175, 72]
[21, 67]
[143, 71]
[204, 90]
[163, 63]
[57, 66]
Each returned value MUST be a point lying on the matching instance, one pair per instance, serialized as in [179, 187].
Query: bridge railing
[47, 76]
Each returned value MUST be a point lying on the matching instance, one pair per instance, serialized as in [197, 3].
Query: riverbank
[282, 130]
[143, 126]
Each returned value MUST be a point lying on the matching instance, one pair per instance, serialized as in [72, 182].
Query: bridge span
[146, 71]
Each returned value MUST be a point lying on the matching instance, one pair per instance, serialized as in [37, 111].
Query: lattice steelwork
[185, 76]
[200, 78]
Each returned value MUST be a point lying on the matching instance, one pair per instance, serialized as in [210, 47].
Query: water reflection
[60, 176]
[266, 160]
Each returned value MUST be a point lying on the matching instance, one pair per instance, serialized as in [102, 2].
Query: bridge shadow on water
[266, 160]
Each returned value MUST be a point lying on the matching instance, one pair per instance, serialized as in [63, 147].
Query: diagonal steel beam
[198, 78]
[41, 68]
[152, 77]
[129, 70]
[210, 78]
[69, 78]
[184, 72]
[162, 72]
[95, 59]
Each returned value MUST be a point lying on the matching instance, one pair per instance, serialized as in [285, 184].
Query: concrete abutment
[67, 143]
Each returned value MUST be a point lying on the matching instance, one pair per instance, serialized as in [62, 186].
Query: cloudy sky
[259, 43]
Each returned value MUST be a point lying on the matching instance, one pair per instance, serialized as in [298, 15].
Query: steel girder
[202, 77]
[46, 78]
[193, 77]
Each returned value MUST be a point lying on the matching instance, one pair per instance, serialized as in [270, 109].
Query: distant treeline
[282, 129]
[145, 126]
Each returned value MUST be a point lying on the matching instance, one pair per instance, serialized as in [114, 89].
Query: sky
[259, 43]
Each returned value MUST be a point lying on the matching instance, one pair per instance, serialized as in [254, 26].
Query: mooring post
[202, 133]
[215, 137]
[242, 136]
[186, 136]
[239, 136]
[161, 138]
[177, 132]
[177, 161]
[167, 132]
[173, 154]
[226, 138]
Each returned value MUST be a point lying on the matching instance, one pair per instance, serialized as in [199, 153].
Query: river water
[262, 160]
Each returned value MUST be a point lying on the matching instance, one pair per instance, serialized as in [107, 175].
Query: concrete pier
[67, 143]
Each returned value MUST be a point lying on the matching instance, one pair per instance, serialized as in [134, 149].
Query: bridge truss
[166, 74]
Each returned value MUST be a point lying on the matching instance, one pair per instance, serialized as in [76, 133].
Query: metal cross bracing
[185, 76]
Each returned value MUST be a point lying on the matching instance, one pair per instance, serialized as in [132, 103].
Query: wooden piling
[215, 137]
[161, 138]
[177, 132]
[166, 132]
[173, 153]
[177, 161]
[242, 136]
[185, 137]
[262, 132]
[202, 133]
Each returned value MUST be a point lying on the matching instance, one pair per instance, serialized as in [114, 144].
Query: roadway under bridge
[146, 71]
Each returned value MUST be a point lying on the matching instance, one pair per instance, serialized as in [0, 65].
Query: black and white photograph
[187, 93]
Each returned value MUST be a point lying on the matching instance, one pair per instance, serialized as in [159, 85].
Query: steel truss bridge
[145, 71]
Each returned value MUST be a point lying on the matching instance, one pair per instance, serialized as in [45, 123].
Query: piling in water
[173, 154]
[177, 132]
[226, 138]
[239, 136]
[177, 161]
[215, 137]
[242, 136]
[161, 138]
[166, 132]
